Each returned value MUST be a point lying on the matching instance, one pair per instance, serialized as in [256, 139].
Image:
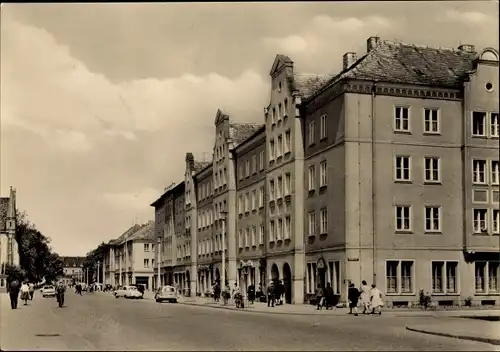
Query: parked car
[166, 293]
[127, 292]
[48, 291]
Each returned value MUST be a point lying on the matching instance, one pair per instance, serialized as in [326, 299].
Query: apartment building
[205, 239]
[394, 156]
[250, 158]
[131, 257]
[9, 248]
[179, 236]
[72, 269]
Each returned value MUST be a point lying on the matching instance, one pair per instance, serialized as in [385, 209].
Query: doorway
[287, 282]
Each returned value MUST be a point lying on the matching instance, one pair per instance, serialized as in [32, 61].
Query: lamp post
[158, 261]
[223, 215]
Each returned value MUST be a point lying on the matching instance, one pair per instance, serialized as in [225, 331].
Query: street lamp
[158, 261]
[223, 215]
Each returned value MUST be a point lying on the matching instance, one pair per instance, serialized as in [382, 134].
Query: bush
[424, 299]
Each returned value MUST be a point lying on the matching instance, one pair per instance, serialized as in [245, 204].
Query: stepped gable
[240, 132]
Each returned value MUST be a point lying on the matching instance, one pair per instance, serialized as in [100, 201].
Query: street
[100, 322]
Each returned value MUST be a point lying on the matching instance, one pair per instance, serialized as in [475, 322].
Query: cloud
[467, 17]
[290, 45]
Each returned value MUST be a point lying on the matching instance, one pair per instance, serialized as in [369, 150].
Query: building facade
[365, 173]
[73, 270]
[9, 249]
[131, 258]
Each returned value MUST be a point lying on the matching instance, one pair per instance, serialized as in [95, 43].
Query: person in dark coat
[328, 296]
[353, 297]
[14, 288]
[320, 296]
[251, 293]
[271, 295]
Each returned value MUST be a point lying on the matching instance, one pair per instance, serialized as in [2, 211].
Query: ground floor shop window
[399, 276]
[444, 277]
[487, 275]
[329, 274]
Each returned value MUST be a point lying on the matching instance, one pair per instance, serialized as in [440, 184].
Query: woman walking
[25, 293]
[376, 300]
[365, 297]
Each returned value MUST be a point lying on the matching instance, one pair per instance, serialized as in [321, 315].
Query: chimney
[467, 48]
[190, 160]
[372, 43]
[348, 60]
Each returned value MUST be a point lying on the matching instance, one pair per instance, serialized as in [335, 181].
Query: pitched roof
[395, 62]
[308, 84]
[4, 206]
[126, 234]
[73, 261]
[200, 165]
[145, 232]
[240, 132]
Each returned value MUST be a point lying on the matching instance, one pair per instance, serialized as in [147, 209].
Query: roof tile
[240, 132]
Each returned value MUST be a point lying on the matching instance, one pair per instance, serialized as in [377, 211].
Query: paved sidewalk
[462, 328]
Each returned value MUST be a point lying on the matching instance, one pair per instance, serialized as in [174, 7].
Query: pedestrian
[281, 291]
[259, 295]
[365, 297]
[226, 293]
[25, 292]
[270, 295]
[251, 293]
[60, 290]
[32, 290]
[319, 297]
[329, 296]
[376, 300]
[353, 296]
[14, 288]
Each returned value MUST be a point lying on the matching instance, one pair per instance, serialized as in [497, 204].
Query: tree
[93, 257]
[35, 255]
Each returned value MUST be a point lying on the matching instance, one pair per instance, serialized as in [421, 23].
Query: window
[146, 247]
[478, 122]
[247, 237]
[285, 107]
[280, 230]
[261, 234]
[322, 174]
[288, 225]
[272, 231]
[402, 119]
[146, 263]
[240, 205]
[487, 274]
[403, 168]
[494, 125]
[478, 171]
[432, 219]
[261, 197]
[261, 161]
[287, 184]
[495, 221]
[254, 164]
[494, 172]
[444, 277]
[274, 116]
[431, 121]
[280, 188]
[247, 202]
[403, 218]
[240, 238]
[254, 235]
[399, 276]
[247, 168]
[271, 150]
[312, 223]
[312, 137]
[279, 109]
[287, 144]
[312, 176]
[432, 169]
[324, 221]
[271, 190]
[323, 127]
[254, 199]
[480, 225]
[280, 147]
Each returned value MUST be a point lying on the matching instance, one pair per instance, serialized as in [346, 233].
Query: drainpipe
[374, 233]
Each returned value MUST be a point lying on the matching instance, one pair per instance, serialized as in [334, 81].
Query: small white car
[166, 293]
[48, 291]
[127, 292]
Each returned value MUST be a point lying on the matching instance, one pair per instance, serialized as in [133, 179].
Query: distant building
[130, 259]
[73, 269]
[9, 251]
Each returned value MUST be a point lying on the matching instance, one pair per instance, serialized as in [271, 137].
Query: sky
[100, 102]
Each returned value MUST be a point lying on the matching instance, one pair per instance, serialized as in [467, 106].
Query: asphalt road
[100, 322]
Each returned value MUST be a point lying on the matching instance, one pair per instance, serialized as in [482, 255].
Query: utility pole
[223, 216]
